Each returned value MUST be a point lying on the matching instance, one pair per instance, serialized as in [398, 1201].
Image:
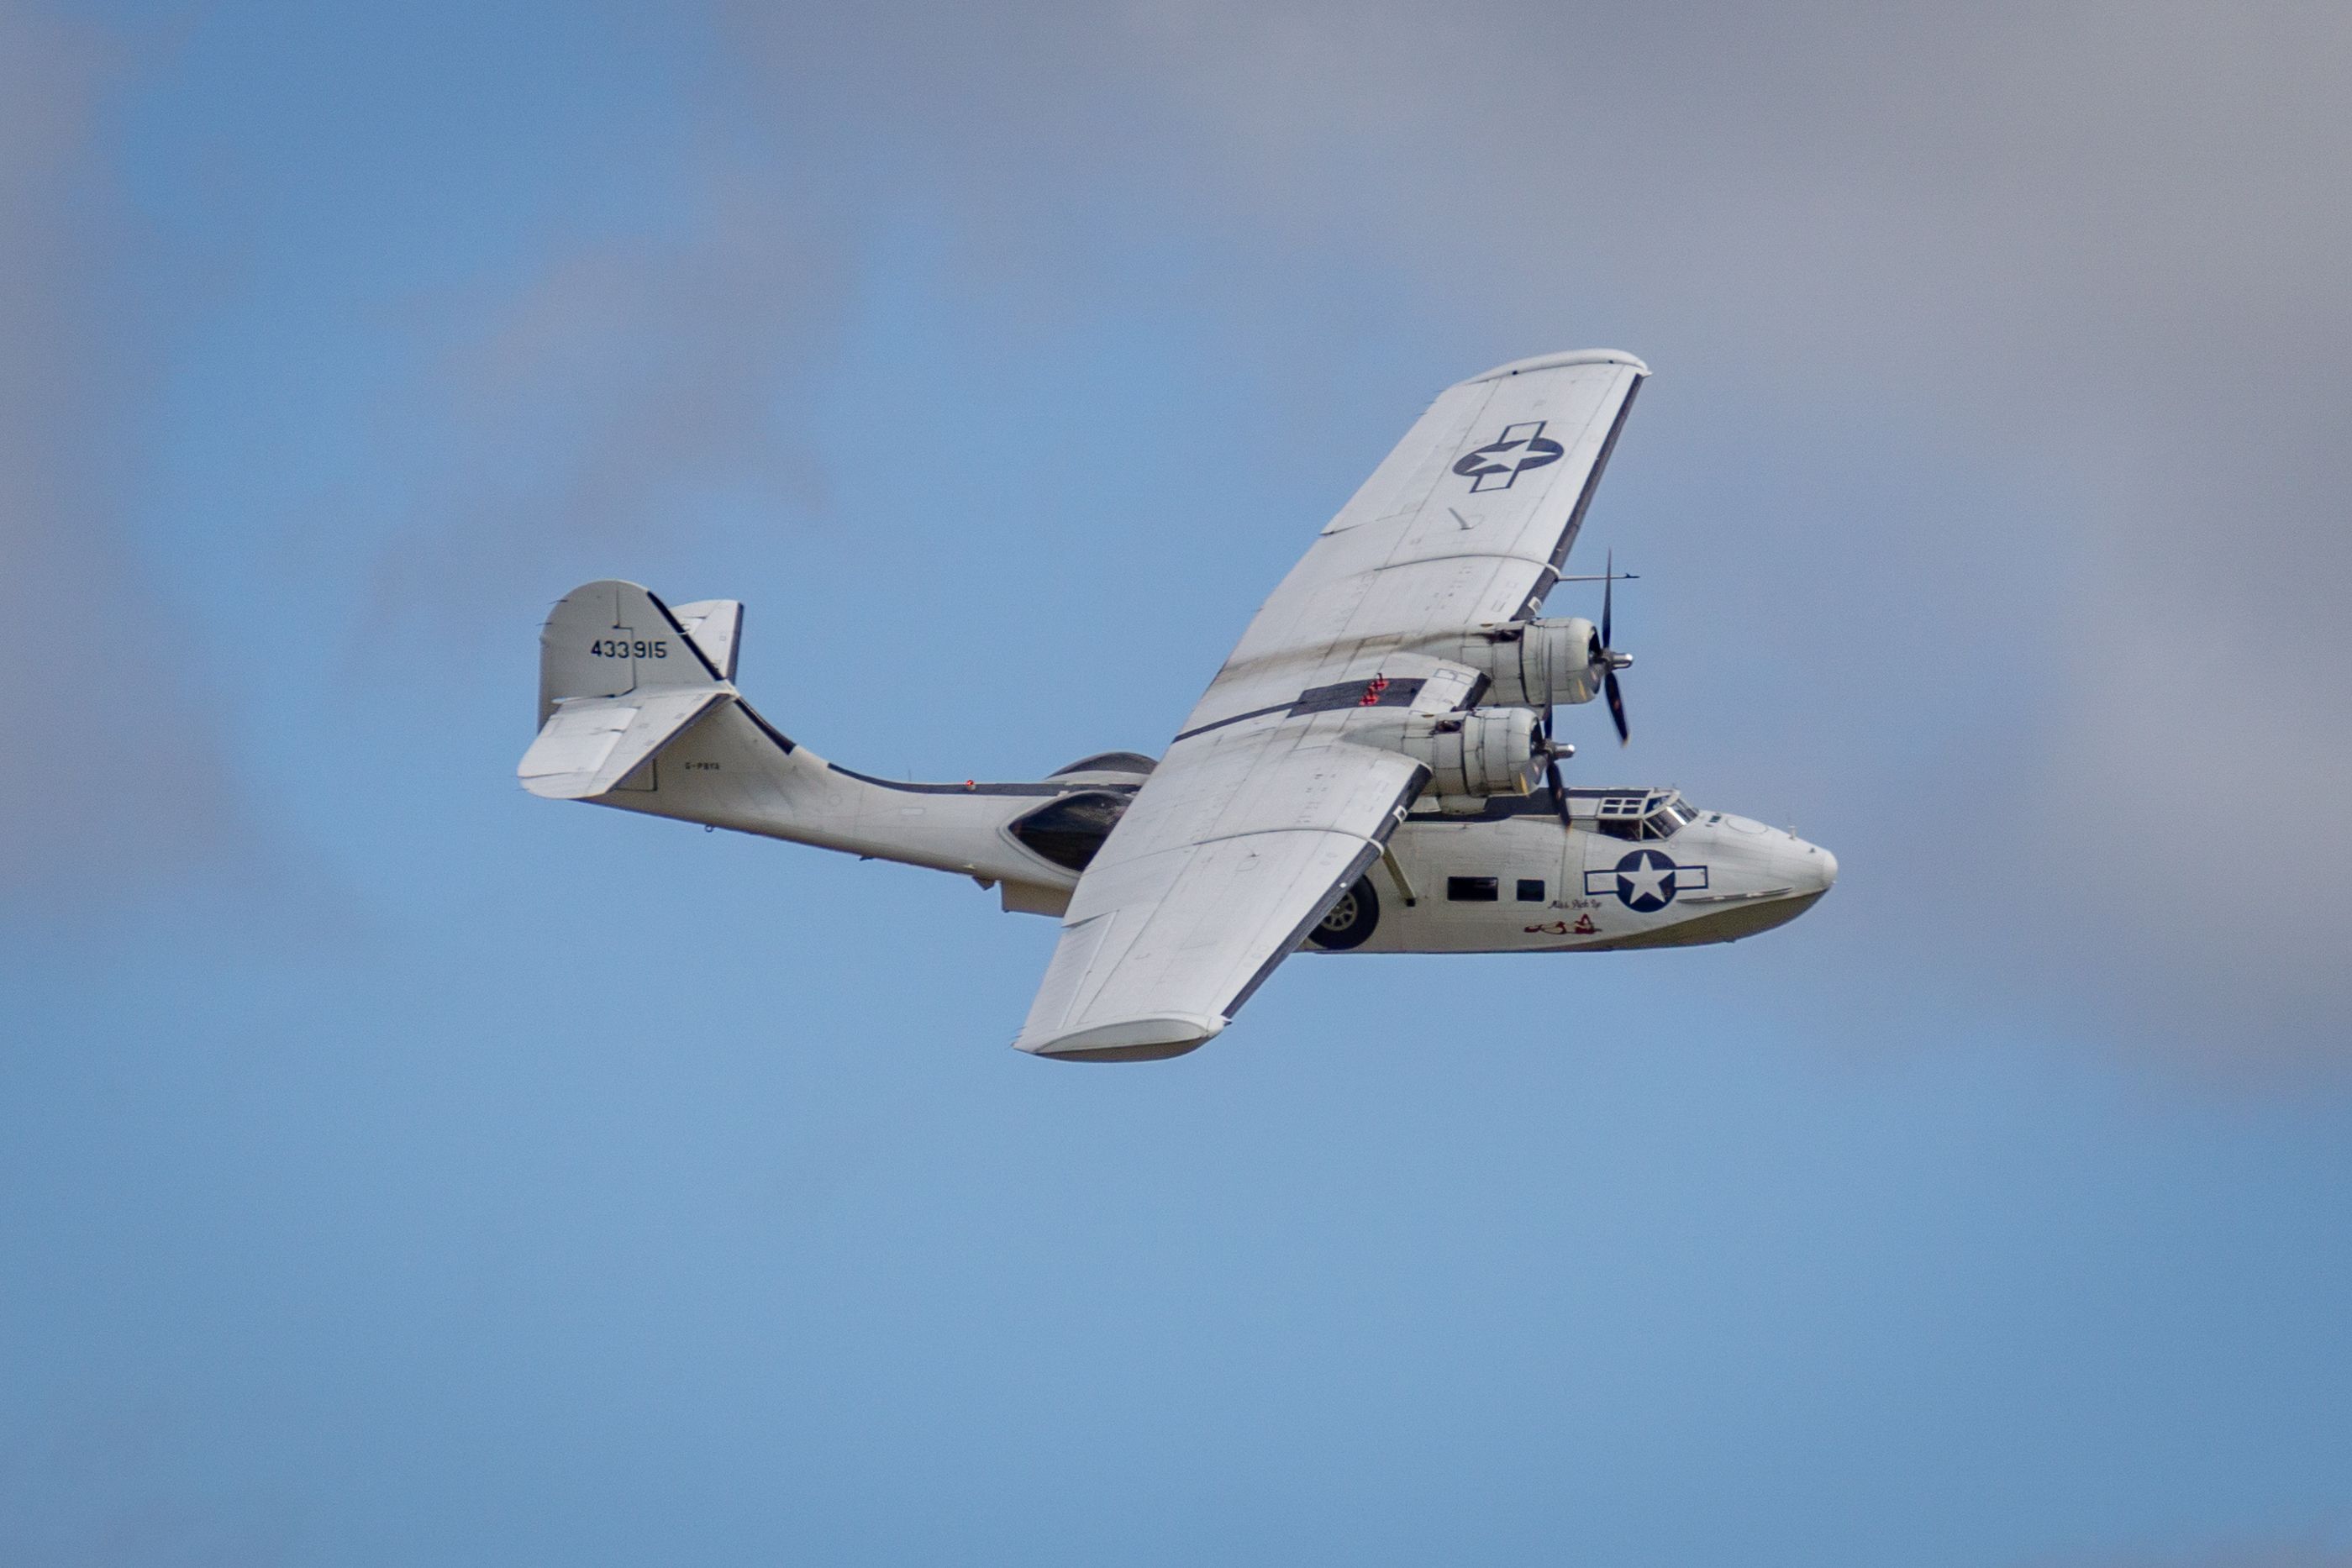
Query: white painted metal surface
[1225, 862]
[715, 625]
[591, 743]
[1462, 525]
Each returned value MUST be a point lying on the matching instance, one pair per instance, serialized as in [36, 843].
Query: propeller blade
[1610, 659]
[1551, 765]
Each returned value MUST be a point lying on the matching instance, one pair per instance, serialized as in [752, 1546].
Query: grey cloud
[114, 777]
[610, 395]
[2089, 256]
[2081, 261]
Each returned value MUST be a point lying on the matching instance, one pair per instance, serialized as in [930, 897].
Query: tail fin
[612, 638]
[618, 678]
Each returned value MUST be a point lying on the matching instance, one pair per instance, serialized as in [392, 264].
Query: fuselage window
[1472, 890]
[1531, 889]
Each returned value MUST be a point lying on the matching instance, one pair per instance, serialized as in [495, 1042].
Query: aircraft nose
[1822, 865]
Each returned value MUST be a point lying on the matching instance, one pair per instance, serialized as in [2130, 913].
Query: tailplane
[620, 677]
[638, 710]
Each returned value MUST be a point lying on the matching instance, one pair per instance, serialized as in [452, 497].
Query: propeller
[1611, 662]
[1554, 752]
[1610, 656]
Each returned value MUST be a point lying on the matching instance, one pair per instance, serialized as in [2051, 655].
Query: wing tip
[559, 786]
[1556, 361]
[1147, 1039]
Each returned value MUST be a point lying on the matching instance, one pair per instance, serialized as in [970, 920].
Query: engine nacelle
[1484, 751]
[1535, 662]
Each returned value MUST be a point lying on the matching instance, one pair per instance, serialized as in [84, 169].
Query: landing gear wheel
[1351, 920]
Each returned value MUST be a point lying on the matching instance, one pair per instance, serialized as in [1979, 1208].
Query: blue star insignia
[1645, 880]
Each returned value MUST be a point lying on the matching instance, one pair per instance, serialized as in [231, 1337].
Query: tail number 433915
[621, 647]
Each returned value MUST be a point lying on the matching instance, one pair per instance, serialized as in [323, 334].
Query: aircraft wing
[1466, 523]
[1227, 859]
[1262, 814]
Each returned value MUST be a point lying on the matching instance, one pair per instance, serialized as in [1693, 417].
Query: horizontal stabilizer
[591, 743]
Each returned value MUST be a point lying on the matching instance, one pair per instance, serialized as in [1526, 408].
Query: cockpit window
[1677, 811]
[1637, 816]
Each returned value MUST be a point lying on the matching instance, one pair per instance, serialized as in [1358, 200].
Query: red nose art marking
[1372, 691]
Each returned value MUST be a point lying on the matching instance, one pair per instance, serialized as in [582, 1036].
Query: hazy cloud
[2079, 263]
[2086, 257]
[618, 392]
[114, 775]
[2098, 249]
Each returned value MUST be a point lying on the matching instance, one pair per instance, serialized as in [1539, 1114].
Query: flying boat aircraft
[1374, 770]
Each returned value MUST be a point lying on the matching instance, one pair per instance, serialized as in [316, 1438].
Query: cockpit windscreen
[1658, 814]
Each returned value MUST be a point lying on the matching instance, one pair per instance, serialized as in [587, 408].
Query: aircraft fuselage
[1629, 868]
[1524, 882]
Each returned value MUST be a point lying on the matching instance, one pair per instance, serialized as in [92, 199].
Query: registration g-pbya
[1374, 770]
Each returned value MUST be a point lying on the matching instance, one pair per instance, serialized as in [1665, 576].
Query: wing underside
[1197, 895]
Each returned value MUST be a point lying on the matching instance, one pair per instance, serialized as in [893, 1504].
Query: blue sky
[405, 1170]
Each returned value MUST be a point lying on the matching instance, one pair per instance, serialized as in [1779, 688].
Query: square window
[1531, 889]
[1472, 890]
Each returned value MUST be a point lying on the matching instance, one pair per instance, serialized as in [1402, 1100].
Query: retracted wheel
[1351, 920]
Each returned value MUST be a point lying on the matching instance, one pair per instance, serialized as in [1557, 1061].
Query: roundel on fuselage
[1645, 880]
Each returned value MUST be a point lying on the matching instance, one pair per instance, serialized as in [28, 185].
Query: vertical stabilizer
[612, 638]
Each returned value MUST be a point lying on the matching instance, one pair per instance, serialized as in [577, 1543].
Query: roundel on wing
[1351, 920]
[1520, 447]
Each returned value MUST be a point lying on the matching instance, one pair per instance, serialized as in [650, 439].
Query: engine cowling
[1483, 752]
[1538, 663]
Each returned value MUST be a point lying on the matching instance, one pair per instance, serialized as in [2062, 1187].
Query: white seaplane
[1372, 770]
